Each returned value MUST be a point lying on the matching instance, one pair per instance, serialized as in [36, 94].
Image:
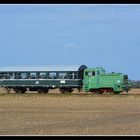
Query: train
[93, 80]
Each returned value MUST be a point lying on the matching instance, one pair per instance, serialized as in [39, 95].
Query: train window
[69, 75]
[16, 75]
[27, 75]
[23, 75]
[42, 75]
[2, 76]
[62, 75]
[6, 75]
[32, 75]
[37, 75]
[86, 73]
[52, 75]
[74, 75]
[93, 73]
[11, 76]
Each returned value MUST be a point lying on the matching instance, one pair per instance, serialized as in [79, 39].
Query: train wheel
[20, 90]
[40, 91]
[117, 92]
[63, 91]
[45, 90]
[66, 90]
[8, 90]
[23, 90]
[17, 91]
[70, 90]
[100, 92]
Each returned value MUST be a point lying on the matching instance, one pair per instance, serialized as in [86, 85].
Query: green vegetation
[135, 84]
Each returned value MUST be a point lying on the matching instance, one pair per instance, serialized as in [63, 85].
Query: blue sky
[94, 35]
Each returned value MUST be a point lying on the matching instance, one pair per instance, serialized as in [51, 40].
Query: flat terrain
[58, 114]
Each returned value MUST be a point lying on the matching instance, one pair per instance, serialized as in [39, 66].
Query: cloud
[71, 46]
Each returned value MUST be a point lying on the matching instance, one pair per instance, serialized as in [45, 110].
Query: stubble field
[57, 114]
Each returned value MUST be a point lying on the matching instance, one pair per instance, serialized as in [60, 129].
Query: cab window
[91, 73]
[86, 73]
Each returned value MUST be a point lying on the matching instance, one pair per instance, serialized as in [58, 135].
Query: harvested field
[57, 114]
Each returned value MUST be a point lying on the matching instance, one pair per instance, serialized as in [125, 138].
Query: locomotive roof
[40, 68]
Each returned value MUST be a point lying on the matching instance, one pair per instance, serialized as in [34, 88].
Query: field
[58, 114]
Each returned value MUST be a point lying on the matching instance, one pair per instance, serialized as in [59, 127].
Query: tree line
[135, 84]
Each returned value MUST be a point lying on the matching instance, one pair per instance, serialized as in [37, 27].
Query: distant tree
[135, 84]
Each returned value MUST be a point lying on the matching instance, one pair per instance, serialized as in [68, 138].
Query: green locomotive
[84, 78]
[96, 80]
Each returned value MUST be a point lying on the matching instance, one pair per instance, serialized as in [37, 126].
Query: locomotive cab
[91, 78]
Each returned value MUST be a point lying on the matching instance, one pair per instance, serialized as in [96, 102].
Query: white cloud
[71, 46]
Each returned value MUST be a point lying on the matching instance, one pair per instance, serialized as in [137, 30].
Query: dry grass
[39, 114]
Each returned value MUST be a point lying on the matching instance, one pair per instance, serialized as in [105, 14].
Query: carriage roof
[39, 68]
